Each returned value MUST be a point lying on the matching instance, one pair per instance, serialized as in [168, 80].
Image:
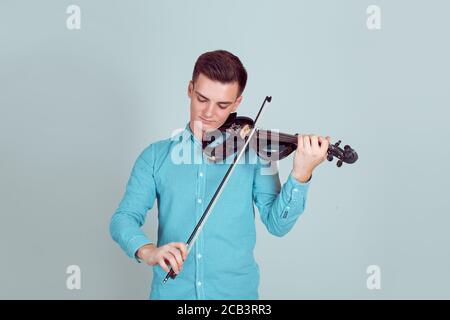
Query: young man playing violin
[220, 264]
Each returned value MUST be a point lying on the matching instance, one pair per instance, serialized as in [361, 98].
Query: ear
[190, 88]
[237, 103]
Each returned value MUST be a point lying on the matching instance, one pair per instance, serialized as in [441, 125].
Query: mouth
[206, 121]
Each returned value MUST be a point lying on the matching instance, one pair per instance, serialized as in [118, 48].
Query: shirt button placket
[199, 243]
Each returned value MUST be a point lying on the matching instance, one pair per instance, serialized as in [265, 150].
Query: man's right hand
[173, 254]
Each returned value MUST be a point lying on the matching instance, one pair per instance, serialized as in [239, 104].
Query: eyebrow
[221, 102]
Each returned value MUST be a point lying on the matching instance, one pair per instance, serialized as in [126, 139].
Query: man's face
[211, 103]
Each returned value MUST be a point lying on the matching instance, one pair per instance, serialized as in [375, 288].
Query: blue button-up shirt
[178, 175]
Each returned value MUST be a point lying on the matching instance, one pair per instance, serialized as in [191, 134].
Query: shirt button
[199, 283]
[201, 174]
[199, 200]
[287, 208]
[199, 255]
[295, 190]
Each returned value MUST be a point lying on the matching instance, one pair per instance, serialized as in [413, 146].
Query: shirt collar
[188, 136]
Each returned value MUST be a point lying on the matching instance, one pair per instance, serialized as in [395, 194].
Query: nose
[208, 112]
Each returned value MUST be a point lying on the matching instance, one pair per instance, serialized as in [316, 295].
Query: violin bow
[194, 235]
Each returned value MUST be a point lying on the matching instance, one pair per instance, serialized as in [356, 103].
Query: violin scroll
[348, 155]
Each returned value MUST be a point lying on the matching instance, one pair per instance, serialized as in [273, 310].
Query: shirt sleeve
[279, 206]
[140, 194]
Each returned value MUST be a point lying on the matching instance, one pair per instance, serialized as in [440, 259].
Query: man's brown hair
[222, 66]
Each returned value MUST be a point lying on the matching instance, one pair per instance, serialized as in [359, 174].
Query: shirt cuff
[295, 193]
[134, 244]
[295, 183]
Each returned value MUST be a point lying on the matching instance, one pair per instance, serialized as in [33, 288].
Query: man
[220, 265]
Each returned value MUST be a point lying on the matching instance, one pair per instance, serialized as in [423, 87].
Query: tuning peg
[330, 157]
[347, 147]
[339, 163]
[337, 143]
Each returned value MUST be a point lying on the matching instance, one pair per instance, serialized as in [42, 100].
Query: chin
[199, 125]
[207, 125]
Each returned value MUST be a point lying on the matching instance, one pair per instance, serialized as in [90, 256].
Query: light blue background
[77, 107]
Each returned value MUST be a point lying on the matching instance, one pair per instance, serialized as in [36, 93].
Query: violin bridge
[245, 131]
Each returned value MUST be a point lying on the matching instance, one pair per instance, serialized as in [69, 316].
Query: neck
[199, 134]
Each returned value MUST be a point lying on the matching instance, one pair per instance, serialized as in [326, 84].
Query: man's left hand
[309, 154]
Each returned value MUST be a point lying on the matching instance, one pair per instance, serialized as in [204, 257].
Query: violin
[269, 145]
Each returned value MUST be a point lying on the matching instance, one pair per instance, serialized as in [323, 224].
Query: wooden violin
[269, 145]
